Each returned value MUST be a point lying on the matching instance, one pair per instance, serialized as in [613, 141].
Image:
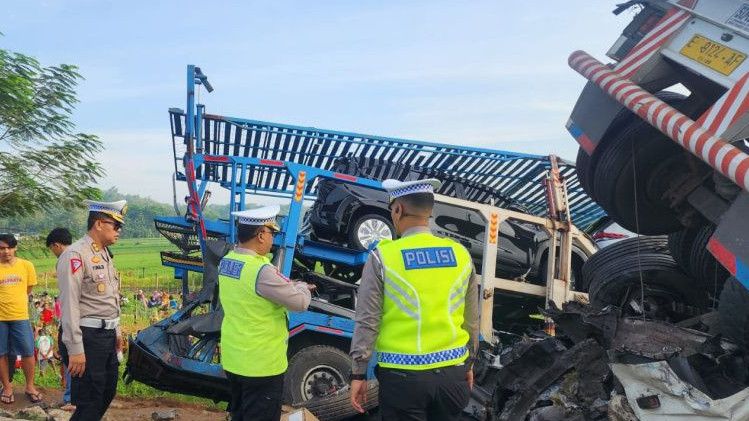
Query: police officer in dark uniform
[89, 296]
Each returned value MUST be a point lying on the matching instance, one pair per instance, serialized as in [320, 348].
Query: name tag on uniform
[230, 268]
[431, 257]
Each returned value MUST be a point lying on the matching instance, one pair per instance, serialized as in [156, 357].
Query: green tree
[44, 162]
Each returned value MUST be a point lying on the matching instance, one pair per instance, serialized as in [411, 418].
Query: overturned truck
[662, 134]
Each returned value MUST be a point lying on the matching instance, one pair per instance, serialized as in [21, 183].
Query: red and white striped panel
[652, 41]
[732, 105]
[719, 154]
[689, 4]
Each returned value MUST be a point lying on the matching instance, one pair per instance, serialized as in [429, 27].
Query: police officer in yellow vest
[90, 304]
[418, 308]
[254, 333]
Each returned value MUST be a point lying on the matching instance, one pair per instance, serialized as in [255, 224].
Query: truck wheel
[703, 265]
[586, 164]
[626, 247]
[733, 312]
[582, 167]
[369, 229]
[633, 171]
[317, 378]
[680, 247]
[338, 407]
[669, 294]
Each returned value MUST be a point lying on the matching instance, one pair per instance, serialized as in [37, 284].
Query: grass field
[137, 259]
[131, 254]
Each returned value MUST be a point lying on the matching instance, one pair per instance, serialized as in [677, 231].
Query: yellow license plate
[713, 55]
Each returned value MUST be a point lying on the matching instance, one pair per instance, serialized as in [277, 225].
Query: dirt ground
[127, 409]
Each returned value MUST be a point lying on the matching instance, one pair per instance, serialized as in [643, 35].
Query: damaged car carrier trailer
[249, 158]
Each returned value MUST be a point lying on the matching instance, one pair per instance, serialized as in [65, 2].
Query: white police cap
[116, 210]
[265, 216]
[398, 189]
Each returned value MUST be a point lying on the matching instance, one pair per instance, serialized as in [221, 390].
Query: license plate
[716, 56]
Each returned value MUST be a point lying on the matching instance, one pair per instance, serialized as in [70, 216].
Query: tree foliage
[138, 221]
[44, 162]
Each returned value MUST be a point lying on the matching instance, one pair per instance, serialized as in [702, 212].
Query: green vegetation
[135, 258]
[138, 221]
[45, 164]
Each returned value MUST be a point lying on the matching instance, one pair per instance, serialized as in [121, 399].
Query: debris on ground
[32, 413]
[167, 415]
[601, 366]
[59, 414]
[289, 413]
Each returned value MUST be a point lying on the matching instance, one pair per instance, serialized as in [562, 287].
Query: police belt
[99, 323]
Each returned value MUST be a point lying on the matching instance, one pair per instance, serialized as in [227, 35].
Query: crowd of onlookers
[158, 299]
[45, 320]
[30, 321]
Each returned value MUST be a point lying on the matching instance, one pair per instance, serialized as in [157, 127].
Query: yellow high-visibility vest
[425, 283]
[255, 331]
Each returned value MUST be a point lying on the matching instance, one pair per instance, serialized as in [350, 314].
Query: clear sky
[483, 73]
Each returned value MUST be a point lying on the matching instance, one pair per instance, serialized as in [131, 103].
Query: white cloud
[138, 162]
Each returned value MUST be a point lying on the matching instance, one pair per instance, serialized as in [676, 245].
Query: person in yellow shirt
[17, 277]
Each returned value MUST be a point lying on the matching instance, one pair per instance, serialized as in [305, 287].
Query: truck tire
[656, 159]
[733, 312]
[338, 407]
[317, 379]
[680, 247]
[626, 247]
[370, 228]
[669, 293]
[586, 164]
[582, 167]
[703, 265]
[631, 173]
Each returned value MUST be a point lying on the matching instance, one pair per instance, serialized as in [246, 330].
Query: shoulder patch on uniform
[278, 272]
[75, 264]
[230, 268]
[429, 257]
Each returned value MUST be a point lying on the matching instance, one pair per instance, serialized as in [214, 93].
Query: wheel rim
[372, 230]
[321, 381]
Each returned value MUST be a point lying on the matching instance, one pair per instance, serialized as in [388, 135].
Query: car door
[460, 225]
[517, 247]
[468, 227]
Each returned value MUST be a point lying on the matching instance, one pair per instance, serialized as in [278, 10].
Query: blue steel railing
[514, 176]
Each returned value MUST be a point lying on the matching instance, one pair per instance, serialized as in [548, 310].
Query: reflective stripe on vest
[418, 360]
[425, 283]
[254, 331]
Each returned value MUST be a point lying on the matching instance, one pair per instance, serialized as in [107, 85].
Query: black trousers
[439, 394]
[92, 393]
[255, 398]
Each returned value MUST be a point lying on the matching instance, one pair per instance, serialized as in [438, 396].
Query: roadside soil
[128, 409]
